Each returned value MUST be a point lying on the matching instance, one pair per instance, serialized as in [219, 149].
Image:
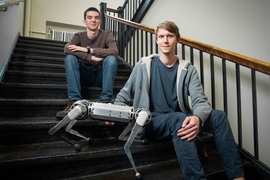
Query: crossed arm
[74, 48]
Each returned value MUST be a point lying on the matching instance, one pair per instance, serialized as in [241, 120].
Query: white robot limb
[79, 110]
[108, 112]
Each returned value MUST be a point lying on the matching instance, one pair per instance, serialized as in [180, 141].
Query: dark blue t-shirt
[163, 98]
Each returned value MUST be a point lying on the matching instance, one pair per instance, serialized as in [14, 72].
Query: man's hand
[97, 59]
[190, 128]
[109, 123]
[74, 48]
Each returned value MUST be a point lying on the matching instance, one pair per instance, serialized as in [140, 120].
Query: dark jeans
[165, 126]
[78, 73]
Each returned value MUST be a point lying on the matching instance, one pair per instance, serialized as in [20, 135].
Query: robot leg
[142, 116]
[79, 110]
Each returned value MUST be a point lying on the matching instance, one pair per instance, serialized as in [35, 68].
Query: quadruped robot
[83, 109]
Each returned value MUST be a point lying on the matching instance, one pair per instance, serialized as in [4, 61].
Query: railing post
[120, 32]
[103, 10]
[120, 12]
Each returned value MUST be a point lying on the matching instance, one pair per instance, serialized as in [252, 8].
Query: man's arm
[74, 47]
[200, 106]
[97, 54]
[125, 95]
[199, 102]
[110, 49]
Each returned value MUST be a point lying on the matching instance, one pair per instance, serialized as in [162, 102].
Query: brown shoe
[61, 114]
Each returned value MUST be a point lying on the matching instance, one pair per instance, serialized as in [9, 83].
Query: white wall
[61, 11]
[11, 23]
[240, 26]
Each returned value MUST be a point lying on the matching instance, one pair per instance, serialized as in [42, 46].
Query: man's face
[166, 41]
[92, 20]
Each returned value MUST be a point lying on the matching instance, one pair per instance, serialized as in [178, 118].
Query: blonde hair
[169, 26]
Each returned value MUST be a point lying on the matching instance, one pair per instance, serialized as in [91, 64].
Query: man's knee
[218, 117]
[219, 114]
[71, 60]
[110, 61]
[177, 120]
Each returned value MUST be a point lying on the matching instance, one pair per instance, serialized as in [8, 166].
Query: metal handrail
[4, 4]
[246, 61]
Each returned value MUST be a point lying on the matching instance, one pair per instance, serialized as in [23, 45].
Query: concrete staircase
[33, 90]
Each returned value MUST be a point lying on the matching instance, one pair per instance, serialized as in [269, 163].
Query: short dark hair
[169, 26]
[90, 9]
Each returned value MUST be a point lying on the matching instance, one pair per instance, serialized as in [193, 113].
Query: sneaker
[61, 114]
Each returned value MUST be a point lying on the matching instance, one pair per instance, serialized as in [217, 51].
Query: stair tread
[47, 150]
[169, 169]
[44, 122]
[45, 86]
[37, 57]
[156, 171]
[40, 40]
[19, 50]
[59, 150]
[53, 73]
[40, 46]
[36, 64]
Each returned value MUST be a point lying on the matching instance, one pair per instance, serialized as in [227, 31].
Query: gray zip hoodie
[188, 85]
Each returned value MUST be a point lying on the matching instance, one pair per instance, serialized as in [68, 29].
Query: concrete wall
[11, 23]
[61, 12]
[241, 26]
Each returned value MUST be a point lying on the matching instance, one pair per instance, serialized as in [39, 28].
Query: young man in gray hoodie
[162, 83]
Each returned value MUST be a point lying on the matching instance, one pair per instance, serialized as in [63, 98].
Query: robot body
[108, 112]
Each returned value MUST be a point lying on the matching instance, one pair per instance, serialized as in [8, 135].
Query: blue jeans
[77, 74]
[165, 126]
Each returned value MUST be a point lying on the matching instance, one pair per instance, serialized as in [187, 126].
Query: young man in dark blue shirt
[163, 84]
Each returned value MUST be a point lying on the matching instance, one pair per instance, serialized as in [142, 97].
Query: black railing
[131, 10]
[214, 65]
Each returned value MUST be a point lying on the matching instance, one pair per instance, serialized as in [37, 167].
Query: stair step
[15, 108]
[38, 46]
[31, 91]
[41, 77]
[37, 58]
[36, 67]
[50, 91]
[60, 160]
[46, 42]
[168, 169]
[32, 51]
[39, 61]
[55, 60]
[32, 130]
[103, 160]
[25, 60]
[31, 77]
